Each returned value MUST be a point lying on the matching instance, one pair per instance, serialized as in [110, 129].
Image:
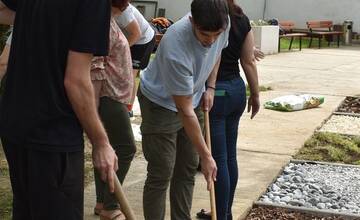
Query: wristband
[210, 87]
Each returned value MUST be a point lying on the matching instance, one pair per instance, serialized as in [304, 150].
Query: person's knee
[158, 181]
[186, 172]
[159, 174]
[125, 153]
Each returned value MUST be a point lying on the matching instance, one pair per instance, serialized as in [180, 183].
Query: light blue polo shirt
[181, 65]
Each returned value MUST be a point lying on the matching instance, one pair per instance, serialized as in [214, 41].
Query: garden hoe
[124, 204]
[212, 190]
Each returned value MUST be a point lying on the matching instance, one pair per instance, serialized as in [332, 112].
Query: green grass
[331, 147]
[261, 89]
[285, 42]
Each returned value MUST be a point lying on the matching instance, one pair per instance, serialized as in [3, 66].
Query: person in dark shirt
[48, 99]
[229, 105]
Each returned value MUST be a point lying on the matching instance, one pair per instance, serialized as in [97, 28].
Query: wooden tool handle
[124, 204]
[212, 191]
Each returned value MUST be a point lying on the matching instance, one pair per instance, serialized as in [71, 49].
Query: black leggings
[115, 118]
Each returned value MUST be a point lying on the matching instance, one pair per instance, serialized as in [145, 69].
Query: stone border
[325, 213]
[323, 163]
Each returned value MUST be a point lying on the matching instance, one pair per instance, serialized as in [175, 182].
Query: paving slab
[266, 143]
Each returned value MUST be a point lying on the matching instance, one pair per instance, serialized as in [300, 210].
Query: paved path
[267, 143]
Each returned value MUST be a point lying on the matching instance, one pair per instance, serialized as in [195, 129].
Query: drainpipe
[264, 10]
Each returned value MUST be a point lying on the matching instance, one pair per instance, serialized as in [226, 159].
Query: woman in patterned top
[113, 85]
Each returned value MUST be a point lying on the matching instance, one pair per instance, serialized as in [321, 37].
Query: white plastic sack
[294, 102]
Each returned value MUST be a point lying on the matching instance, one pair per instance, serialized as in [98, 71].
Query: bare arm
[133, 32]
[4, 58]
[7, 16]
[193, 130]
[81, 95]
[208, 97]
[248, 63]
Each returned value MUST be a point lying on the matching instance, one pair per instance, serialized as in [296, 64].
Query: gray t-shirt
[181, 66]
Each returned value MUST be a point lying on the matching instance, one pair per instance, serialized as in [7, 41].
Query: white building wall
[299, 11]
[175, 9]
[254, 9]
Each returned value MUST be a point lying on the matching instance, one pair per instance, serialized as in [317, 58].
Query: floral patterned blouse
[115, 70]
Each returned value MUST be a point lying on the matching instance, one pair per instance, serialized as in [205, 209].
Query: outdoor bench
[287, 32]
[321, 29]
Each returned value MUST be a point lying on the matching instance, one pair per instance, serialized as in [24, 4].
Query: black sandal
[203, 214]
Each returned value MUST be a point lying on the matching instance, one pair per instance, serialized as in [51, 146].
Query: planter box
[267, 38]
[321, 213]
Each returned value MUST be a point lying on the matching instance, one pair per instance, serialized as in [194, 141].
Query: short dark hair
[120, 4]
[210, 15]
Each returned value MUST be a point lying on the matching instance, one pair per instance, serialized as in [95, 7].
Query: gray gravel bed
[342, 124]
[317, 186]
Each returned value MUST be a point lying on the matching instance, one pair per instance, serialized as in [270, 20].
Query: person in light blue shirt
[172, 99]
[182, 65]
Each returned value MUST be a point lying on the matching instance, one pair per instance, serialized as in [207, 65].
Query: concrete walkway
[267, 143]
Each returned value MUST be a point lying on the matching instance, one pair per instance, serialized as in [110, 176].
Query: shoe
[114, 215]
[98, 207]
[97, 211]
[203, 214]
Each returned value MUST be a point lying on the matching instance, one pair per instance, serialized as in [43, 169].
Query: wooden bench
[321, 29]
[287, 32]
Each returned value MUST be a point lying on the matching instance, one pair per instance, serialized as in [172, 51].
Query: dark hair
[210, 15]
[234, 9]
[120, 4]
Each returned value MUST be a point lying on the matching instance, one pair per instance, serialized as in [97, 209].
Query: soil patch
[268, 213]
[350, 105]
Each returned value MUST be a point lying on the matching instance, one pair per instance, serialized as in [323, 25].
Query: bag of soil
[291, 103]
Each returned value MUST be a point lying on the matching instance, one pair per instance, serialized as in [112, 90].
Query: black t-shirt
[229, 65]
[35, 110]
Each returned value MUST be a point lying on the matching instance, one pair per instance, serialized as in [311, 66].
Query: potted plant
[266, 36]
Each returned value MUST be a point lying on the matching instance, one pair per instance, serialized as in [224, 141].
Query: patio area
[269, 141]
